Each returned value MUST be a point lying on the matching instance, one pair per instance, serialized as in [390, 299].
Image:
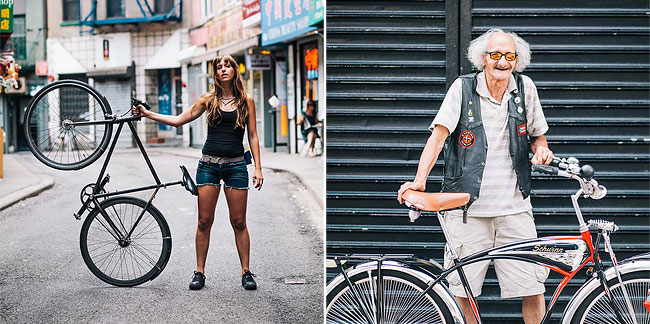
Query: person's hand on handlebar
[139, 110]
[415, 185]
[542, 156]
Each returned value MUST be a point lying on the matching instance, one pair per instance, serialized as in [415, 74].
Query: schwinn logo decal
[467, 138]
[546, 248]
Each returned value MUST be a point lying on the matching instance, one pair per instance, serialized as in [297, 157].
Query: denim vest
[466, 148]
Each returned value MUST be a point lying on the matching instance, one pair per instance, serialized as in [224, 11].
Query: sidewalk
[309, 170]
[19, 183]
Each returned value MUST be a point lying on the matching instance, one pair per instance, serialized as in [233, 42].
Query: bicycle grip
[136, 102]
[547, 169]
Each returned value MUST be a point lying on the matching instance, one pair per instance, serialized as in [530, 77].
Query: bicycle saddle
[436, 201]
[188, 182]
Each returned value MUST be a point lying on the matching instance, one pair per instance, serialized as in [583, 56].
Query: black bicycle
[125, 240]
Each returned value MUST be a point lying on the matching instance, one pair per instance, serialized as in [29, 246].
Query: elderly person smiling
[489, 122]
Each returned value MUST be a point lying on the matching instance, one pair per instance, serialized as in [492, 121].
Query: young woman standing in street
[229, 110]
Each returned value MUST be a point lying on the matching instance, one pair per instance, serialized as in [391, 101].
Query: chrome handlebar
[570, 168]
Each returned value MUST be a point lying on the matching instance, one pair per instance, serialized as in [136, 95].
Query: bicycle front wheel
[596, 309]
[399, 289]
[122, 260]
[66, 125]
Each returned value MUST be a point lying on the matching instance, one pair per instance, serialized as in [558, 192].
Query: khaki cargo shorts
[516, 278]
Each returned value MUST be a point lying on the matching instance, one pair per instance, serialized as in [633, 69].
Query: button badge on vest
[466, 139]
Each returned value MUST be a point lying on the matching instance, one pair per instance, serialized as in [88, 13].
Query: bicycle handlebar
[137, 102]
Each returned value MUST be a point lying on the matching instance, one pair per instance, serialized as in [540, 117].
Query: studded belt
[221, 160]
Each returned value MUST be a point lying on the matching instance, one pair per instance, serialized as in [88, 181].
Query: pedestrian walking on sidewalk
[229, 110]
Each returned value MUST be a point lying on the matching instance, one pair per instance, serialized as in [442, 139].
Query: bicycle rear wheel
[132, 261]
[400, 289]
[595, 308]
[50, 128]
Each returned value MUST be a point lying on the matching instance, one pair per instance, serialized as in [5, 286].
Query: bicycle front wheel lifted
[399, 289]
[121, 259]
[66, 125]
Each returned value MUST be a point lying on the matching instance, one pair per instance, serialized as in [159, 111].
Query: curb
[24, 193]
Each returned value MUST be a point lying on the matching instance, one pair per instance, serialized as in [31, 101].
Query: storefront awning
[229, 49]
[114, 72]
[61, 61]
[187, 54]
[165, 57]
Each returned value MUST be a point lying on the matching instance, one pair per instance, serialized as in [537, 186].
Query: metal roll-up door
[590, 62]
[118, 94]
[195, 87]
[386, 77]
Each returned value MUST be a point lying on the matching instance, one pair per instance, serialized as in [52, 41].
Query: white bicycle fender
[440, 288]
[594, 283]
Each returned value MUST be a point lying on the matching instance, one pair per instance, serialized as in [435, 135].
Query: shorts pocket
[541, 273]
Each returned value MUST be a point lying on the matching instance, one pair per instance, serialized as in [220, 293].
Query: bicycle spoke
[397, 295]
[600, 311]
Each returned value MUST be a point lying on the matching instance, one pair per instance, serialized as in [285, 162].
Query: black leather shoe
[247, 281]
[198, 281]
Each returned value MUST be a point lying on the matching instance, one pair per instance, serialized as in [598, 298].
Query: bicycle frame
[101, 180]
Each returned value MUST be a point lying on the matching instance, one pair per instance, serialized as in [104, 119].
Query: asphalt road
[43, 278]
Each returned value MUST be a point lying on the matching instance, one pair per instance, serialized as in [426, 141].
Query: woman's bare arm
[199, 106]
[254, 142]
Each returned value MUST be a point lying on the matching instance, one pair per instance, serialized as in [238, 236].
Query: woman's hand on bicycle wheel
[139, 110]
[415, 185]
[258, 179]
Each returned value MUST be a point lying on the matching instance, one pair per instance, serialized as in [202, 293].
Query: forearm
[255, 150]
[165, 119]
[430, 153]
[537, 142]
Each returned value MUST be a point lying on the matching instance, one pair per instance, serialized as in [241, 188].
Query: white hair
[478, 47]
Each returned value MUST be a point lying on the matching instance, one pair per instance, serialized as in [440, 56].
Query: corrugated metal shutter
[118, 94]
[198, 126]
[387, 74]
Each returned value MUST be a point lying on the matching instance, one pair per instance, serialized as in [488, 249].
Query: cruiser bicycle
[124, 241]
[392, 289]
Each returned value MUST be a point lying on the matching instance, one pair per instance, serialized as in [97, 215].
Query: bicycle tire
[399, 290]
[49, 136]
[595, 308]
[147, 253]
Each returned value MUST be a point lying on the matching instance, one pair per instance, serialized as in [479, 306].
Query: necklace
[227, 101]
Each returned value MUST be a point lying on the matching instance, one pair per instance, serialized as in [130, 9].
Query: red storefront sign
[251, 12]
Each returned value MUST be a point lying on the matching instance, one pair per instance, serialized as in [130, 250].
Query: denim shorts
[234, 175]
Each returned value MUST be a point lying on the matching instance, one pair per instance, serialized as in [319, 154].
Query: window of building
[17, 42]
[70, 10]
[164, 6]
[206, 8]
[115, 8]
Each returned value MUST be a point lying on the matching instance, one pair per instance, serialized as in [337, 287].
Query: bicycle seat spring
[603, 225]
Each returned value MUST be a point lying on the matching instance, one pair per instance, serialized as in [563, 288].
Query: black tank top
[224, 140]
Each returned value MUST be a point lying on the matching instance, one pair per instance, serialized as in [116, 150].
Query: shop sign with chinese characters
[286, 19]
[6, 16]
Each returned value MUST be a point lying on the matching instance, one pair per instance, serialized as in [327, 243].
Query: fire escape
[88, 24]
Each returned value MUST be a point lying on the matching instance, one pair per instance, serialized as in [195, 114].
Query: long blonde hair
[214, 113]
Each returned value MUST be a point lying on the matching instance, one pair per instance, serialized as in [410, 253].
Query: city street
[43, 277]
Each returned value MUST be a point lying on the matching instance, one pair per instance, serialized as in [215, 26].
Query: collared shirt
[499, 193]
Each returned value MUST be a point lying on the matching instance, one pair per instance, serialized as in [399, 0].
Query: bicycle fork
[628, 302]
